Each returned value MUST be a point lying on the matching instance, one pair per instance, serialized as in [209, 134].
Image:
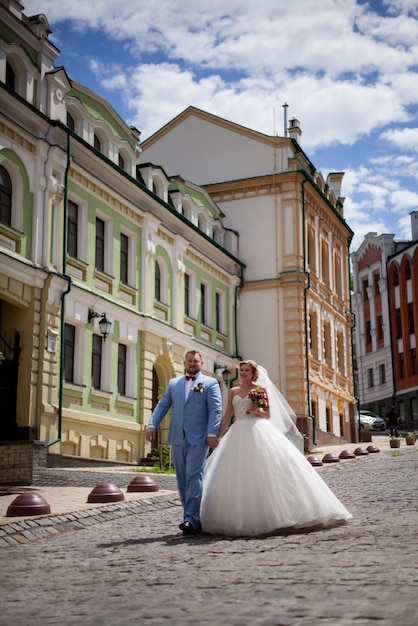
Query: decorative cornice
[110, 199]
[207, 267]
[250, 187]
[17, 138]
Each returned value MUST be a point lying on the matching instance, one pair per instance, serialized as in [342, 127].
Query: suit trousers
[189, 462]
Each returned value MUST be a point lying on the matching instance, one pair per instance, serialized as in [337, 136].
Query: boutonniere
[198, 387]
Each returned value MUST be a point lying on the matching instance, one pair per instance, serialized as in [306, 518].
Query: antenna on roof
[285, 106]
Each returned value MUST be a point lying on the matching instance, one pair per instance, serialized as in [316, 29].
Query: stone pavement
[67, 491]
[136, 568]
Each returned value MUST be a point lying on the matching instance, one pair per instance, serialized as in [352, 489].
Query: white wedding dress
[257, 482]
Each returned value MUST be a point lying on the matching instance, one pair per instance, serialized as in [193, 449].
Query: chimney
[334, 180]
[294, 130]
[414, 225]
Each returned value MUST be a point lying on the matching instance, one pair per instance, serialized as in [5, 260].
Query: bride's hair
[254, 368]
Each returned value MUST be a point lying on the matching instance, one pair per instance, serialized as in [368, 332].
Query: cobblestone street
[139, 569]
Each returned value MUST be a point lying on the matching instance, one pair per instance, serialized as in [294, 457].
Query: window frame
[96, 361]
[6, 198]
[107, 243]
[73, 227]
[122, 368]
[69, 351]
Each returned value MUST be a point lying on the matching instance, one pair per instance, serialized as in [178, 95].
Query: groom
[197, 411]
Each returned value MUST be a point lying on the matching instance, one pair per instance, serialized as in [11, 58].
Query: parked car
[369, 413]
[366, 421]
[375, 422]
[379, 423]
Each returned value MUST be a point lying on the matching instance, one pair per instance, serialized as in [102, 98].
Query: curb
[25, 531]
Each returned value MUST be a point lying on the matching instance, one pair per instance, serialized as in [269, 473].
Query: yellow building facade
[294, 307]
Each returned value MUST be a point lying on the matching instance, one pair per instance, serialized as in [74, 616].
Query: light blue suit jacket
[194, 418]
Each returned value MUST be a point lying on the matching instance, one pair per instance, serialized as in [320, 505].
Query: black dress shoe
[189, 529]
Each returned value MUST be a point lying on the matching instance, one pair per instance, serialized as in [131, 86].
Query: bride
[257, 480]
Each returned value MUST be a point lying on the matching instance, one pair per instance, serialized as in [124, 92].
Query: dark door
[9, 367]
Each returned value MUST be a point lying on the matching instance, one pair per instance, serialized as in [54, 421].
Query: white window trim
[132, 275]
[108, 256]
[79, 350]
[17, 195]
[222, 309]
[81, 227]
[106, 369]
[130, 370]
[208, 307]
[164, 278]
[192, 294]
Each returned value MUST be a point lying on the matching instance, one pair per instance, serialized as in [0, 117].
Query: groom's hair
[194, 352]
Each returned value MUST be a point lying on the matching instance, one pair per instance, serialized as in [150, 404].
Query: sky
[347, 69]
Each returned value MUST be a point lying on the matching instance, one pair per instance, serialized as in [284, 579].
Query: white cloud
[403, 200]
[335, 65]
[404, 6]
[406, 138]
[348, 71]
[404, 228]
[400, 31]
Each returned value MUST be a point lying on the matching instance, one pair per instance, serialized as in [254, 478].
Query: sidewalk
[138, 568]
[67, 490]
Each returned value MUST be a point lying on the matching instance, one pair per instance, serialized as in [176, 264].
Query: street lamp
[105, 325]
[226, 374]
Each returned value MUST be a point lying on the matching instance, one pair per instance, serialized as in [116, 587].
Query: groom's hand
[212, 442]
[150, 433]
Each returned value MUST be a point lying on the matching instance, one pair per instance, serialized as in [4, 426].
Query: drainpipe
[237, 356]
[237, 288]
[67, 290]
[353, 326]
[305, 313]
[391, 337]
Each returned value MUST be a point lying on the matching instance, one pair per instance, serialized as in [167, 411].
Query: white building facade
[294, 304]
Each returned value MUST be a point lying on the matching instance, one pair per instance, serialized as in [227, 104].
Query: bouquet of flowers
[198, 387]
[258, 396]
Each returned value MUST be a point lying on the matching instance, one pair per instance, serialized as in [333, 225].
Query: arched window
[5, 197]
[313, 334]
[217, 234]
[201, 222]
[311, 248]
[340, 353]
[338, 273]
[70, 122]
[10, 77]
[157, 283]
[407, 270]
[97, 143]
[327, 343]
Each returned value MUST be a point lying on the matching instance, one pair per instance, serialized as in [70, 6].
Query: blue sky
[347, 69]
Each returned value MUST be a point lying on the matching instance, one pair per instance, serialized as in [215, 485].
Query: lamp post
[105, 324]
[226, 374]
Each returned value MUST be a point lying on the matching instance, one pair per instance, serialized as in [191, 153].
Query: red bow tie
[190, 377]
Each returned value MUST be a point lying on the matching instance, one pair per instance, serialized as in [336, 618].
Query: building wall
[252, 215]
[53, 160]
[270, 197]
[385, 287]
[403, 303]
